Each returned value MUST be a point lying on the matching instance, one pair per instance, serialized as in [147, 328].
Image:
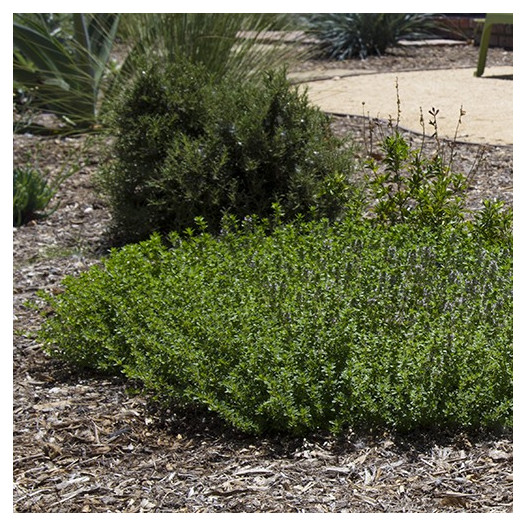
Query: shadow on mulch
[200, 422]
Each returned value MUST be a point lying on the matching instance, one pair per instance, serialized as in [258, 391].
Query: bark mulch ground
[83, 443]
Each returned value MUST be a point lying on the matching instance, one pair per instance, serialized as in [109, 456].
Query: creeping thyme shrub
[312, 326]
[190, 144]
[265, 294]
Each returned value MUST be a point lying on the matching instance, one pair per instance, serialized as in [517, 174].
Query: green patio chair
[491, 18]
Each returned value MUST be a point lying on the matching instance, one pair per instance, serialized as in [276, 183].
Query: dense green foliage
[314, 326]
[356, 35]
[190, 144]
[290, 310]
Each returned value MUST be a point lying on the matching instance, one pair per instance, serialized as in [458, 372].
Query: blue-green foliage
[357, 35]
[314, 326]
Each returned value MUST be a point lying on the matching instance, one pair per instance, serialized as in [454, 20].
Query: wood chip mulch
[84, 443]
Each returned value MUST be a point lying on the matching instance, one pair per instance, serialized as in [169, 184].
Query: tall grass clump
[224, 43]
[189, 143]
[75, 64]
[311, 327]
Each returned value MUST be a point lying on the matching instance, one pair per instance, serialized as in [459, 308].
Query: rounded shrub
[188, 144]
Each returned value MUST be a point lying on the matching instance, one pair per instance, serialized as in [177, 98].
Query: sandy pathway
[487, 101]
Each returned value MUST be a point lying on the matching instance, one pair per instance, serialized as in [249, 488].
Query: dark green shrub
[356, 35]
[310, 327]
[190, 145]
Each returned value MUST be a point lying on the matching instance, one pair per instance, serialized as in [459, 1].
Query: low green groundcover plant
[31, 194]
[314, 326]
[35, 188]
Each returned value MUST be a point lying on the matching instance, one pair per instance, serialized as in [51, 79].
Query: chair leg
[484, 44]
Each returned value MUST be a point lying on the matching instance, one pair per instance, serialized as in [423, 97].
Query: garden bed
[87, 443]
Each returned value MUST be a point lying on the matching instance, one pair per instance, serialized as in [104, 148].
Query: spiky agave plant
[62, 65]
[356, 35]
